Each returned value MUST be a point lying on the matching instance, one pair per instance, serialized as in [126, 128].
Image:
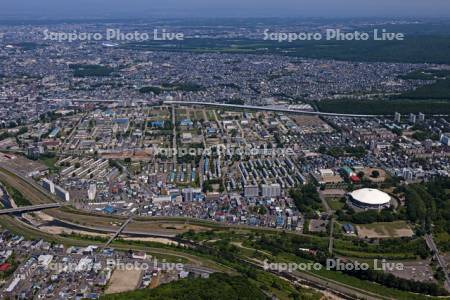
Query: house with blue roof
[54, 133]
[157, 124]
[279, 221]
[186, 123]
[109, 209]
[349, 228]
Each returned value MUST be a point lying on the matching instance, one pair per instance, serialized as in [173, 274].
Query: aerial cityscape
[266, 154]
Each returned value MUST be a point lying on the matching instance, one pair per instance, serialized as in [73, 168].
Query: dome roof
[371, 196]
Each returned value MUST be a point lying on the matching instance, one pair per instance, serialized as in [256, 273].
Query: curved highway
[270, 109]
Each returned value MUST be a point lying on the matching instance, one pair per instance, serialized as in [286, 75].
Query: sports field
[385, 230]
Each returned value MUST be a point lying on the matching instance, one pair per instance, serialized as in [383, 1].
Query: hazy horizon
[55, 9]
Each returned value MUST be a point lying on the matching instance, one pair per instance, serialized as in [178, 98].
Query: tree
[375, 174]
[262, 210]
[415, 207]
[306, 199]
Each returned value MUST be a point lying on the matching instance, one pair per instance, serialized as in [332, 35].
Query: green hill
[217, 286]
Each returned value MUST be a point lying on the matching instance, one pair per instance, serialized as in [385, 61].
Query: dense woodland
[218, 286]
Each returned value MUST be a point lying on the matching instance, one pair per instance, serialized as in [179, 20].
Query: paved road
[331, 240]
[29, 208]
[330, 212]
[118, 232]
[325, 203]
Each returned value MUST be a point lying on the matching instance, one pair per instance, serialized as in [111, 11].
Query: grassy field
[50, 162]
[335, 203]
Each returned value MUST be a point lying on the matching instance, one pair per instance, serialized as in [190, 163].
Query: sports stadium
[370, 199]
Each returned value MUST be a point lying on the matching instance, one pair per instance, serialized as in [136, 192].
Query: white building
[186, 137]
[84, 265]
[370, 198]
[161, 199]
[251, 191]
[13, 285]
[421, 117]
[92, 191]
[62, 193]
[48, 185]
[271, 190]
[45, 260]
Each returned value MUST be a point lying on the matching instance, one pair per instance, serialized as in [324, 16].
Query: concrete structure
[370, 199]
[398, 117]
[48, 185]
[62, 193]
[186, 137]
[92, 191]
[188, 194]
[23, 209]
[54, 133]
[251, 191]
[45, 260]
[407, 174]
[33, 152]
[271, 190]
[271, 109]
[445, 139]
[421, 117]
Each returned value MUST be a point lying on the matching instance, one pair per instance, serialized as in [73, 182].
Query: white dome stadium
[371, 197]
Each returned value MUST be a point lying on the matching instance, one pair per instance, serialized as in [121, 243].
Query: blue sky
[224, 8]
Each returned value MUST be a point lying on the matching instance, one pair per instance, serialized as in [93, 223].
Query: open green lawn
[335, 203]
[50, 162]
